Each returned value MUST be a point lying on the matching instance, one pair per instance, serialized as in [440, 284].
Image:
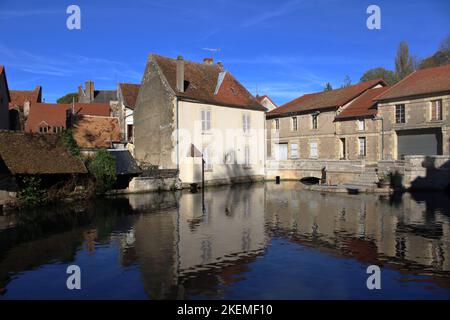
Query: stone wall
[417, 116]
[419, 172]
[337, 171]
[154, 120]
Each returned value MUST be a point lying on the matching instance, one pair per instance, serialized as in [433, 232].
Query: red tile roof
[420, 82]
[129, 93]
[54, 115]
[324, 99]
[18, 97]
[92, 132]
[201, 82]
[92, 109]
[363, 106]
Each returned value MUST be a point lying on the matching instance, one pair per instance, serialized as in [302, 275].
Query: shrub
[32, 193]
[103, 167]
[70, 143]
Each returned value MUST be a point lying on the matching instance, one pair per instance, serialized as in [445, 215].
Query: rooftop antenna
[212, 50]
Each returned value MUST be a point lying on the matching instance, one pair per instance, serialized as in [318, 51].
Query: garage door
[419, 142]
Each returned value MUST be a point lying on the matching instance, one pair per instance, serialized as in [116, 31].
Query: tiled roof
[129, 93]
[325, 100]
[91, 132]
[92, 109]
[201, 82]
[363, 106]
[104, 96]
[424, 81]
[18, 97]
[125, 163]
[54, 115]
[25, 153]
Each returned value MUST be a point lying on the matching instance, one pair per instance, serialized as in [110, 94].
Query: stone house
[416, 116]
[266, 102]
[4, 100]
[90, 95]
[186, 109]
[306, 128]
[358, 128]
[20, 105]
[126, 95]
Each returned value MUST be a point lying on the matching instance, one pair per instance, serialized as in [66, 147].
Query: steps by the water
[367, 180]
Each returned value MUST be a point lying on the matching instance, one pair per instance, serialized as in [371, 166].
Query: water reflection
[258, 241]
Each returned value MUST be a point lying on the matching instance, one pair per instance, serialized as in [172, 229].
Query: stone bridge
[337, 171]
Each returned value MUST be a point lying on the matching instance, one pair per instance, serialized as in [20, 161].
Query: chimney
[208, 61]
[26, 108]
[180, 74]
[89, 90]
[220, 64]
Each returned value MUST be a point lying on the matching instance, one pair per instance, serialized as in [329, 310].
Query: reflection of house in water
[363, 226]
[172, 241]
[232, 226]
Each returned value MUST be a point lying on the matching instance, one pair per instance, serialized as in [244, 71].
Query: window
[362, 147]
[247, 156]
[436, 110]
[246, 122]
[400, 113]
[207, 156]
[206, 120]
[277, 124]
[130, 131]
[44, 129]
[313, 152]
[361, 125]
[314, 121]
[294, 124]
[294, 150]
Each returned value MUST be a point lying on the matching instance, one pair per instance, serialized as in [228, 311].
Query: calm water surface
[261, 241]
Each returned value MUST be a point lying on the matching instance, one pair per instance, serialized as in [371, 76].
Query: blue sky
[283, 48]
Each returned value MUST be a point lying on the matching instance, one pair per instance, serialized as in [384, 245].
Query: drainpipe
[382, 135]
[178, 140]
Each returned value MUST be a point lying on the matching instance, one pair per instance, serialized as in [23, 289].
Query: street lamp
[382, 134]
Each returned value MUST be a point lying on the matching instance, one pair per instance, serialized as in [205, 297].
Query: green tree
[404, 63]
[445, 44]
[328, 87]
[31, 193]
[103, 168]
[379, 73]
[68, 98]
[440, 58]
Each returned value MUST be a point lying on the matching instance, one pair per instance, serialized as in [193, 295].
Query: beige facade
[173, 131]
[418, 115]
[230, 152]
[305, 136]
[359, 139]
